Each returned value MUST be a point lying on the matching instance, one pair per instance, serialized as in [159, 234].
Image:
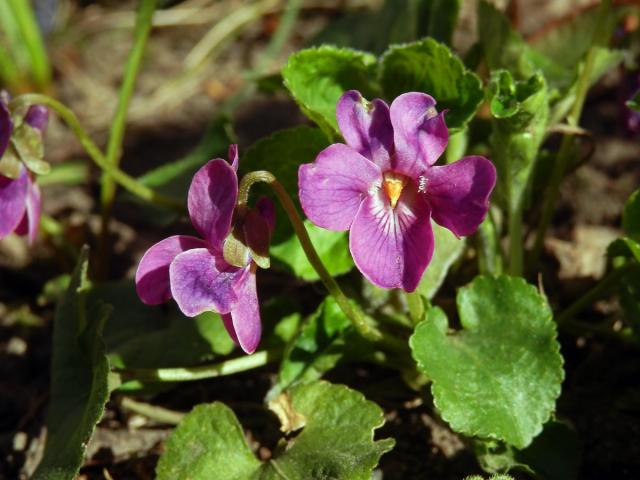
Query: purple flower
[20, 197]
[194, 271]
[383, 186]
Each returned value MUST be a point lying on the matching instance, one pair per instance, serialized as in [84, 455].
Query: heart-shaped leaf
[336, 440]
[431, 67]
[499, 377]
[317, 78]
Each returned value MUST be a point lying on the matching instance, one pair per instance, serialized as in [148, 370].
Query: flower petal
[233, 156]
[202, 281]
[212, 198]
[243, 323]
[392, 246]
[366, 127]
[267, 211]
[30, 223]
[152, 276]
[38, 117]
[419, 132]
[13, 199]
[6, 127]
[332, 187]
[458, 193]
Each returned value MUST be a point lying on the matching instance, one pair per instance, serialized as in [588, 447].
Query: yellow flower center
[393, 185]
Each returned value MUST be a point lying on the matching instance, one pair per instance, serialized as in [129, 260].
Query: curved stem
[70, 118]
[228, 367]
[596, 292]
[356, 316]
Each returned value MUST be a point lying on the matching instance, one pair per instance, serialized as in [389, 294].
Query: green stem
[23, 14]
[597, 292]
[416, 307]
[489, 256]
[228, 367]
[116, 134]
[129, 183]
[564, 156]
[159, 414]
[515, 240]
[355, 315]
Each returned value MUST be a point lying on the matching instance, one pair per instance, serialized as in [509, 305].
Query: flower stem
[515, 240]
[159, 414]
[116, 134]
[489, 256]
[70, 118]
[189, 374]
[599, 290]
[356, 316]
[416, 307]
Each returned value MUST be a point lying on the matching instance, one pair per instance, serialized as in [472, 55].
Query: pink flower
[20, 197]
[383, 186]
[194, 272]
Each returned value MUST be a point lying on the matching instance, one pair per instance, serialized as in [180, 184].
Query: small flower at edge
[20, 196]
[194, 271]
[384, 188]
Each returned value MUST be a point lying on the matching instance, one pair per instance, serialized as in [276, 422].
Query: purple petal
[6, 127]
[392, 246]
[419, 132]
[459, 193]
[152, 276]
[243, 323]
[202, 281]
[212, 198]
[267, 211]
[30, 223]
[13, 199]
[366, 127]
[233, 156]
[332, 187]
[38, 117]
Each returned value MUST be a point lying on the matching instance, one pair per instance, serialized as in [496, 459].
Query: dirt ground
[601, 393]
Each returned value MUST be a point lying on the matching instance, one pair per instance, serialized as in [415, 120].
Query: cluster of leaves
[496, 379]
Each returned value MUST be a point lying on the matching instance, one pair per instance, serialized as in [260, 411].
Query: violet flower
[20, 197]
[383, 186]
[194, 271]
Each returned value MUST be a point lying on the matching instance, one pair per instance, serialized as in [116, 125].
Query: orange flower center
[393, 185]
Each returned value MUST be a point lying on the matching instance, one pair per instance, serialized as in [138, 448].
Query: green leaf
[316, 349]
[332, 247]
[631, 215]
[624, 247]
[336, 440]
[634, 102]
[429, 66]
[141, 336]
[282, 153]
[447, 250]
[79, 379]
[520, 110]
[209, 439]
[505, 363]
[317, 77]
